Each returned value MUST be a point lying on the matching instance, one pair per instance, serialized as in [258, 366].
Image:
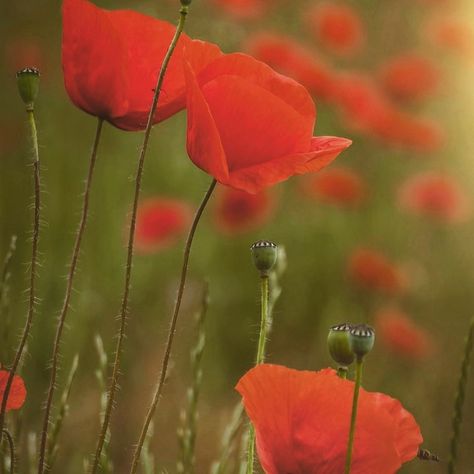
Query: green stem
[11, 447]
[355, 401]
[342, 372]
[459, 400]
[131, 238]
[33, 266]
[172, 330]
[67, 298]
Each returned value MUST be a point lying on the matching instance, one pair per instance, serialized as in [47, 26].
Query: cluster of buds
[348, 342]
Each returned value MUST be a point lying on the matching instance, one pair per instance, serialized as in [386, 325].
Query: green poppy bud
[28, 85]
[362, 338]
[264, 255]
[339, 344]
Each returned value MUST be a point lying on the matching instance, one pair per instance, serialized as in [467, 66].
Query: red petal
[17, 395]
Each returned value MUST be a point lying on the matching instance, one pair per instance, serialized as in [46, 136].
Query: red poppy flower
[160, 222]
[244, 9]
[250, 127]
[291, 58]
[17, 395]
[238, 211]
[111, 61]
[372, 270]
[338, 27]
[410, 76]
[341, 186]
[23, 52]
[434, 195]
[301, 420]
[400, 335]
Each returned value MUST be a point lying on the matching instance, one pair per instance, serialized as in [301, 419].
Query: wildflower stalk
[147, 458]
[172, 329]
[355, 401]
[128, 268]
[11, 447]
[67, 298]
[189, 416]
[33, 264]
[459, 400]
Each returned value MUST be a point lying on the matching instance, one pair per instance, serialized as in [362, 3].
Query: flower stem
[460, 396]
[355, 401]
[33, 266]
[67, 298]
[11, 447]
[172, 330]
[128, 268]
[342, 372]
[262, 339]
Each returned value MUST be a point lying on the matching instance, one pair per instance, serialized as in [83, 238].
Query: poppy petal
[17, 394]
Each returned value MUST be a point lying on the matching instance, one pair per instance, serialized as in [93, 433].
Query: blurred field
[437, 257]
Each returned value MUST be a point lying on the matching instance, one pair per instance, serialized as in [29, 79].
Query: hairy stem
[128, 268]
[172, 330]
[33, 266]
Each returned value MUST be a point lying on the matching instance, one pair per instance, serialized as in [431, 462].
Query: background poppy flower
[372, 270]
[400, 335]
[244, 9]
[251, 127]
[238, 211]
[336, 185]
[160, 222]
[17, 395]
[338, 27]
[434, 195]
[111, 61]
[301, 419]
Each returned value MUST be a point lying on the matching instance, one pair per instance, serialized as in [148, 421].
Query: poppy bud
[264, 255]
[28, 85]
[362, 339]
[339, 344]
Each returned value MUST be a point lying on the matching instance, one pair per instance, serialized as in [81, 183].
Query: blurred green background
[319, 238]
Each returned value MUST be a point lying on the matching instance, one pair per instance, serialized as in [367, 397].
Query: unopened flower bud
[28, 85]
[362, 338]
[264, 255]
[339, 344]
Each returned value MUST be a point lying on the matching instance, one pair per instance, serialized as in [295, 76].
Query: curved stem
[34, 264]
[172, 330]
[128, 268]
[11, 446]
[355, 401]
[67, 297]
[459, 401]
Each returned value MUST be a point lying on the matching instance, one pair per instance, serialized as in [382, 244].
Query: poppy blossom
[338, 27]
[160, 222]
[410, 76]
[302, 418]
[373, 270]
[22, 52]
[434, 195]
[341, 186]
[289, 57]
[17, 394]
[250, 127]
[238, 211]
[244, 9]
[111, 60]
[402, 336]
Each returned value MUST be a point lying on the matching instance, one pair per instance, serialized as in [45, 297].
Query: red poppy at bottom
[17, 395]
[301, 419]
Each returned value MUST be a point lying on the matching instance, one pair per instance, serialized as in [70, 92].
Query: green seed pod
[362, 339]
[264, 255]
[339, 344]
[28, 85]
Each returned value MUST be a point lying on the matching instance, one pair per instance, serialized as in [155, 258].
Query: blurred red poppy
[434, 195]
[410, 76]
[251, 127]
[291, 58]
[400, 335]
[372, 270]
[17, 395]
[244, 9]
[111, 61]
[301, 419]
[452, 34]
[341, 186]
[337, 26]
[160, 222]
[238, 211]
[23, 52]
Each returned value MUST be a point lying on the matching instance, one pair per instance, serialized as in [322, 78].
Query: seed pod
[339, 344]
[28, 85]
[362, 339]
[264, 255]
